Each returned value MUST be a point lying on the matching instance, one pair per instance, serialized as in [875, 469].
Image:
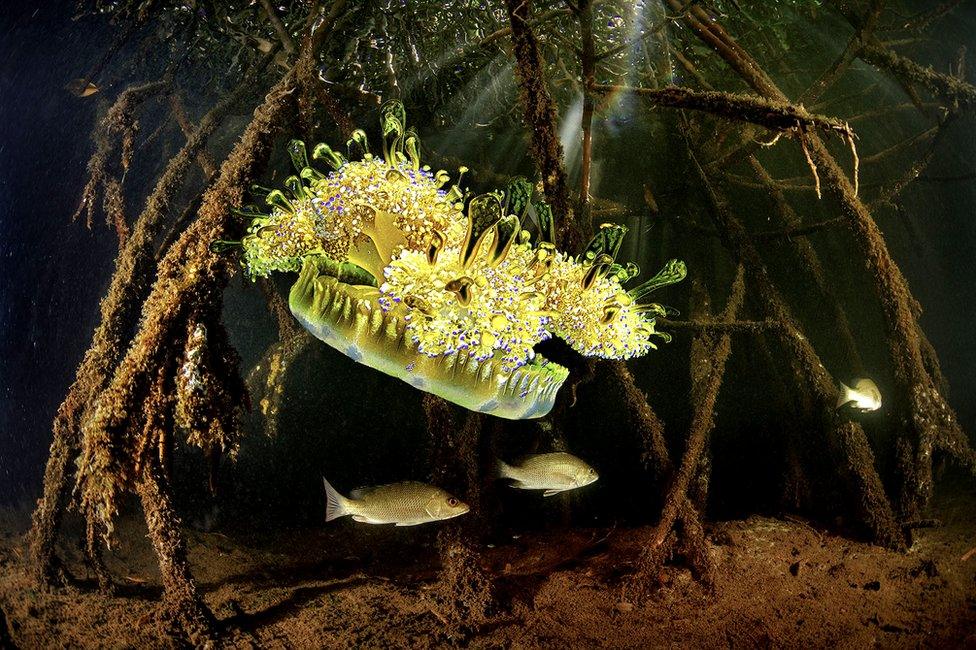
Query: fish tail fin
[845, 394]
[336, 505]
[505, 470]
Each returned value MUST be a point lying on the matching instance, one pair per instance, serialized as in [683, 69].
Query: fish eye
[452, 502]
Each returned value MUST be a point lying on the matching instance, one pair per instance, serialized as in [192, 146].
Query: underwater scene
[487, 323]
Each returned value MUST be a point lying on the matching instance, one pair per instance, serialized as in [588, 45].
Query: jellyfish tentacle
[397, 274]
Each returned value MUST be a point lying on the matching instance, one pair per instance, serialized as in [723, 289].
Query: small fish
[81, 88]
[554, 473]
[864, 397]
[404, 504]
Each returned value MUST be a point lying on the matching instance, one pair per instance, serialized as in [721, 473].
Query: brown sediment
[782, 582]
[464, 594]
[708, 360]
[540, 115]
[119, 313]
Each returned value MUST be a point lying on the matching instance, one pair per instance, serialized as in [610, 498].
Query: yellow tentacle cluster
[397, 268]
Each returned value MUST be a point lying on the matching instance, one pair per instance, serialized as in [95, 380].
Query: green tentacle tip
[358, 137]
[393, 118]
[298, 154]
[333, 158]
[606, 241]
[673, 272]
[518, 196]
[547, 226]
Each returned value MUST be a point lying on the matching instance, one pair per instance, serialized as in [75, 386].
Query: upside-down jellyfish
[446, 292]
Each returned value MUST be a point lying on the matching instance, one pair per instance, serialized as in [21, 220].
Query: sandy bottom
[780, 583]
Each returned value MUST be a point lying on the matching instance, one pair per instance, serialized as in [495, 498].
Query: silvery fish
[555, 472]
[864, 397]
[404, 504]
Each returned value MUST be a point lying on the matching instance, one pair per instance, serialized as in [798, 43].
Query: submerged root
[540, 115]
[899, 307]
[930, 421]
[810, 263]
[114, 136]
[686, 539]
[182, 602]
[811, 165]
[946, 87]
[935, 429]
[464, 594]
[120, 310]
[648, 425]
[708, 359]
[846, 439]
[189, 275]
[266, 380]
[94, 538]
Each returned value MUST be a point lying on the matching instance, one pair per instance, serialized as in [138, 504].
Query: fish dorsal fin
[361, 492]
[552, 459]
[366, 490]
[866, 386]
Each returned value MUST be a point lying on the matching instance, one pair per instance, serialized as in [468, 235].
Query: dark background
[340, 417]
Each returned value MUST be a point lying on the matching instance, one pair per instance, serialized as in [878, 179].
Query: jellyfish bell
[352, 319]
[396, 272]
